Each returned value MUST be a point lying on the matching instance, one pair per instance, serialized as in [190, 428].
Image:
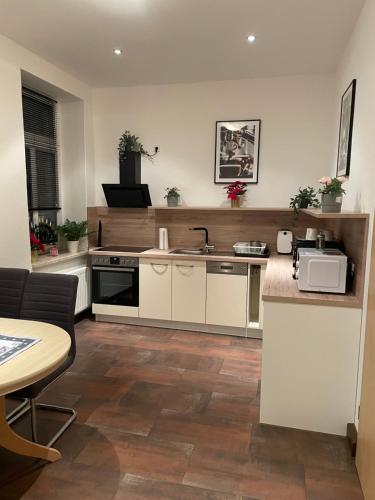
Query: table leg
[17, 444]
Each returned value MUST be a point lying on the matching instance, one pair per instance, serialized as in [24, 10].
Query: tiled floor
[174, 415]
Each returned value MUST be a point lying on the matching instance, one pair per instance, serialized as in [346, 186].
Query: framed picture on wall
[346, 129]
[237, 151]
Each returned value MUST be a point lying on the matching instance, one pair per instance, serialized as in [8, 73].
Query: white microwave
[321, 270]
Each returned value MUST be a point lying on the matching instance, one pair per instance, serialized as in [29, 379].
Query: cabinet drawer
[189, 291]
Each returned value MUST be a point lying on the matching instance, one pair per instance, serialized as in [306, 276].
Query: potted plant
[36, 246]
[130, 152]
[172, 196]
[332, 193]
[73, 231]
[235, 191]
[306, 197]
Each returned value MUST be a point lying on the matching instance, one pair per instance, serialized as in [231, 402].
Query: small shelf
[317, 213]
[226, 208]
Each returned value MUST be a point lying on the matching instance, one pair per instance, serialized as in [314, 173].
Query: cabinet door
[226, 300]
[189, 291]
[155, 287]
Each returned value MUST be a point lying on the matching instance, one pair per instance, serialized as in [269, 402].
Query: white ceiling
[168, 41]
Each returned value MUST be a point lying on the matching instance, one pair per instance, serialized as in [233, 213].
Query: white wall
[358, 62]
[296, 137]
[17, 64]
[14, 232]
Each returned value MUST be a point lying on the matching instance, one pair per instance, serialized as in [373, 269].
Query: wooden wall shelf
[313, 212]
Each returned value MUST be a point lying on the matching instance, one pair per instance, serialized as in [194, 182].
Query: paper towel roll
[163, 238]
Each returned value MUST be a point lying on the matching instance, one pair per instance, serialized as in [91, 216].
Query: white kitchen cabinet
[189, 291]
[309, 366]
[227, 299]
[155, 289]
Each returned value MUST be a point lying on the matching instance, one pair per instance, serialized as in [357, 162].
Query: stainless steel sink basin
[188, 251]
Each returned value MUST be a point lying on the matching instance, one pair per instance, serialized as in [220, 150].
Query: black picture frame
[346, 130]
[237, 148]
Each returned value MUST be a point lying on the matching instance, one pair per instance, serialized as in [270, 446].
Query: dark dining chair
[49, 298]
[12, 284]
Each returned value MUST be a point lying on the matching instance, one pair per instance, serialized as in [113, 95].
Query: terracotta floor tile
[203, 430]
[139, 488]
[244, 370]
[329, 484]
[187, 361]
[138, 455]
[233, 407]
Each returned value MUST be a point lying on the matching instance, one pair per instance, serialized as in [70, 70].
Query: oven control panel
[114, 261]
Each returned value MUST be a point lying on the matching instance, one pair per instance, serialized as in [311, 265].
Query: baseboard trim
[178, 325]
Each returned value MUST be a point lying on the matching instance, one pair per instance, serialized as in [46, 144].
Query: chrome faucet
[207, 246]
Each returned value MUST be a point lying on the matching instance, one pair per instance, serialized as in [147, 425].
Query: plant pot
[303, 204]
[173, 201]
[73, 246]
[331, 203]
[236, 203]
[34, 256]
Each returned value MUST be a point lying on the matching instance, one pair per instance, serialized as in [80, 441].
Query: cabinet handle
[185, 265]
[226, 266]
[158, 264]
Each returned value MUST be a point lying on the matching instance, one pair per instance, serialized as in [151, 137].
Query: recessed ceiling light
[117, 52]
[251, 38]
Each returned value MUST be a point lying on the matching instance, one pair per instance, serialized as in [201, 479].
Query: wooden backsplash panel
[121, 226]
[225, 227]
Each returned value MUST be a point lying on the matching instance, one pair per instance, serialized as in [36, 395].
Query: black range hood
[130, 193]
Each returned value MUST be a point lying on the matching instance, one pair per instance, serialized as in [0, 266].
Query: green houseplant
[73, 231]
[332, 193]
[130, 152]
[172, 196]
[130, 143]
[306, 197]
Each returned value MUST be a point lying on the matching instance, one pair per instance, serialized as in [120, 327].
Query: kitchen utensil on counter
[100, 233]
[163, 238]
[328, 234]
[311, 233]
[251, 249]
[320, 241]
[284, 241]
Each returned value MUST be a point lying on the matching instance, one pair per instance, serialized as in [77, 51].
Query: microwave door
[115, 286]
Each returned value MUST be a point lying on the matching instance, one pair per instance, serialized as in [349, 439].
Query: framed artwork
[237, 151]
[346, 130]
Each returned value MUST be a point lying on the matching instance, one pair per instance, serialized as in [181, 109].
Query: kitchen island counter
[279, 286]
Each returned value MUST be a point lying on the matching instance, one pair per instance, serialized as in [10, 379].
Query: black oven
[115, 280]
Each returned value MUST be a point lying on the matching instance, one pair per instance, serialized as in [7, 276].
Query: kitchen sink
[188, 251]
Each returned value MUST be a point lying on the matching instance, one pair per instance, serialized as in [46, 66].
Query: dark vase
[130, 168]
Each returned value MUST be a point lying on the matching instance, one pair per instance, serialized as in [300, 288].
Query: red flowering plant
[235, 189]
[35, 243]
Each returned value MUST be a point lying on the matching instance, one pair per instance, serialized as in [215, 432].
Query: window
[39, 121]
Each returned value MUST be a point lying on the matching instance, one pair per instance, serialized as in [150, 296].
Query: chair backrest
[51, 298]
[12, 284]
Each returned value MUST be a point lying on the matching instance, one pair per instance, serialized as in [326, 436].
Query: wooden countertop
[156, 253]
[279, 286]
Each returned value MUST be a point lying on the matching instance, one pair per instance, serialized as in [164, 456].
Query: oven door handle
[114, 269]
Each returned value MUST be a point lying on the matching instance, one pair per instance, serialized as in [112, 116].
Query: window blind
[39, 121]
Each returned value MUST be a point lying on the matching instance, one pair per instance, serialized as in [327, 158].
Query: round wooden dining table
[28, 367]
